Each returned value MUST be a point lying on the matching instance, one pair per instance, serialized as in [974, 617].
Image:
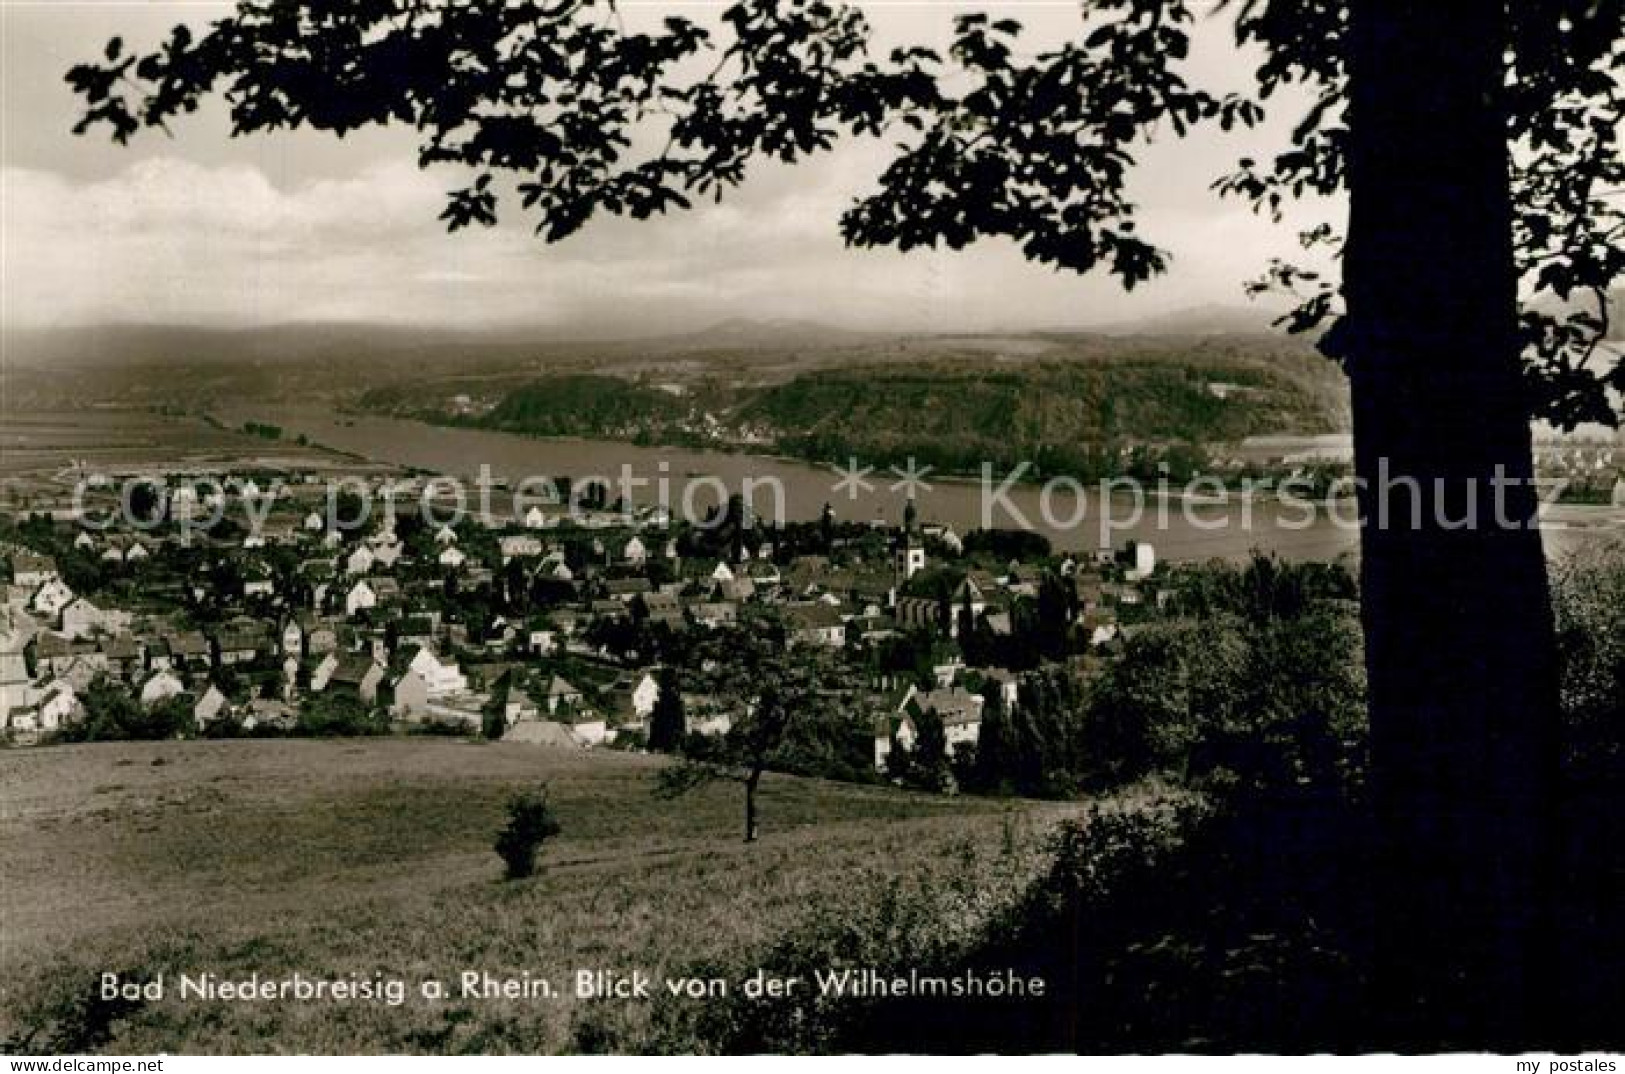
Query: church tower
[908, 549]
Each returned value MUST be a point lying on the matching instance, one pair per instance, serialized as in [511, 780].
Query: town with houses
[559, 628]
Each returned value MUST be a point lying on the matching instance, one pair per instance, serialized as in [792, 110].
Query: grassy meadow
[361, 857]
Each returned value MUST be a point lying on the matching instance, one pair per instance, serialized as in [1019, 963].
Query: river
[1178, 529]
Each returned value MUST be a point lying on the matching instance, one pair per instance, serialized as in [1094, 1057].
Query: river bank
[1073, 517]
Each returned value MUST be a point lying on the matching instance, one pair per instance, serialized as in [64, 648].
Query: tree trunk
[752, 779]
[1458, 627]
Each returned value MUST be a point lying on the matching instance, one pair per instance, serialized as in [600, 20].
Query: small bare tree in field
[767, 693]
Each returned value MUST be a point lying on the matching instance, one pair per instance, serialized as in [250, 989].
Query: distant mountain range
[737, 333]
[100, 346]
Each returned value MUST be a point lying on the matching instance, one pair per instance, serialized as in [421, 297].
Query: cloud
[172, 240]
[298, 226]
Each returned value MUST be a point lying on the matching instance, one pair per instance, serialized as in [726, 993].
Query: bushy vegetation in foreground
[1232, 914]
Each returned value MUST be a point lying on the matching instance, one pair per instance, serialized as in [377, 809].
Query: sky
[203, 229]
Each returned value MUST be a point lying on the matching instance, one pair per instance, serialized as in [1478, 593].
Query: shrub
[494, 718]
[629, 740]
[1589, 603]
[333, 715]
[80, 1022]
[112, 713]
[1261, 691]
[530, 824]
[667, 723]
[444, 727]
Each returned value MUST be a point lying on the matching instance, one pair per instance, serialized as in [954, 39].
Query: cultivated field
[341, 858]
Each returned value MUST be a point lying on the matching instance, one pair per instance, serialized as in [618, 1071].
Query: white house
[643, 693]
[440, 680]
[560, 692]
[360, 596]
[23, 724]
[51, 597]
[452, 556]
[519, 546]
[635, 552]
[386, 550]
[290, 676]
[815, 624]
[160, 686]
[323, 671]
[16, 689]
[959, 710]
[81, 619]
[357, 676]
[359, 561]
[406, 695]
[58, 704]
[1142, 560]
[210, 707]
[593, 731]
[886, 729]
